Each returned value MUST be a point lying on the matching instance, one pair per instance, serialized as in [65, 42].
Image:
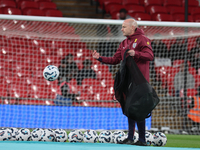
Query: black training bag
[135, 95]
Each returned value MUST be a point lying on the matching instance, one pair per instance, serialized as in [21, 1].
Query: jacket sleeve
[146, 52]
[112, 60]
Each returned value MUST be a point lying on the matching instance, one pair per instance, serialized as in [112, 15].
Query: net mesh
[27, 47]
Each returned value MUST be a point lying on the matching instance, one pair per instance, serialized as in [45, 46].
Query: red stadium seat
[193, 3]
[11, 11]
[128, 2]
[33, 12]
[195, 11]
[196, 18]
[141, 2]
[176, 10]
[108, 3]
[47, 5]
[135, 9]
[18, 90]
[53, 13]
[150, 3]
[42, 0]
[28, 4]
[7, 3]
[162, 17]
[172, 3]
[3, 90]
[141, 16]
[181, 18]
[158, 9]
[114, 8]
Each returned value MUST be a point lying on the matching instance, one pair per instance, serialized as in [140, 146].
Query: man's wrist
[99, 59]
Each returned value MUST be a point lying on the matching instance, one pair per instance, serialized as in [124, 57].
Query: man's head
[122, 14]
[129, 26]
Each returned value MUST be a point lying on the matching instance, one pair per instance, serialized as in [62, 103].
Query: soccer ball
[105, 137]
[75, 136]
[60, 135]
[118, 136]
[51, 73]
[90, 136]
[23, 135]
[159, 139]
[13, 132]
[5, 135]
[48, 135]
[149, 138]
[36, 134]
[135, 137]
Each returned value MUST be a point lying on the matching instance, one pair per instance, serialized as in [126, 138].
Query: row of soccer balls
[89, 136]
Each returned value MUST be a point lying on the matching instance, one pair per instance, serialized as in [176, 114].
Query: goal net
[82, 97]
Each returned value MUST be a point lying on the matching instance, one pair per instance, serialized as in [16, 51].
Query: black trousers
[141, 129]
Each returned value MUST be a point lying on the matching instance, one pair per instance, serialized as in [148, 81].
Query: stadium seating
[11, 11]
[195, 11]
[141, 16]
[33, 12]
[130, 2]
[27, 4]
[42, 0]
[158, 9]
[176, 10]
[114, 8]
[46, 5]
[162, 17]
[53, 13]
[7, 3]
[196, 18]
[181, 18]
[135, 9]
[150, 3]
[191, 3]
[172, 3]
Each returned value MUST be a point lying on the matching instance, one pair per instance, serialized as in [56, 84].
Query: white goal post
[29, 43]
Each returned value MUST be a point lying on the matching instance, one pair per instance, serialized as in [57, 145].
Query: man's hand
[131, 52]
[95, 55]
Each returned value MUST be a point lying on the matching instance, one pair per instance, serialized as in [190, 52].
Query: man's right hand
[95, 55]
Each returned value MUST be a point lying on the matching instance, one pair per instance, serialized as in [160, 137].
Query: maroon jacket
[143, 52]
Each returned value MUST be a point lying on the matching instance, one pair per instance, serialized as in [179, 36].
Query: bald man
[141, 51]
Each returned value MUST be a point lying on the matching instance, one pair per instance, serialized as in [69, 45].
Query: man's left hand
[131, 52]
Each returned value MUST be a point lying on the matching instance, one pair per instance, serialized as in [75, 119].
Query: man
[141, 51]
[123, 14]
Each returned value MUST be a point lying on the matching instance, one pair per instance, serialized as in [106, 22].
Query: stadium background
[27, 100]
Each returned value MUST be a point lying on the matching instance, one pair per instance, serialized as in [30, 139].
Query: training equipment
[135, 137]
[36, 134]
[48, 135]
[149, 138]
[60, 135]
[159, 139]
[105, 137]
[23, 134]
[90, 136]
[118, 136]
[5, 134]
[13, 132]
[28, 44]
[75, 136]
[51, 73]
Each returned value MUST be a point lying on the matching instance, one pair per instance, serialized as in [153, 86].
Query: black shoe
[139, 143]
[126, 141]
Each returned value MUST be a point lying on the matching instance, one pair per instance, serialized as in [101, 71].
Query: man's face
[127, 28]
[122, 15]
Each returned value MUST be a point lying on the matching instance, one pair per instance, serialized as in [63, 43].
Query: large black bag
[135, 95]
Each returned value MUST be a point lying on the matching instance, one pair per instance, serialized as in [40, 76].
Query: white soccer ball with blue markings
[149, 138]
[23, 134]
[36, 134]
[118, 136]
[135, 137]
[51, 73]
[48, 135]
[90, 136]
[159, 139]
[105, 137]
[5, 134]
[75, 136]
[13, 132]
[61, 135]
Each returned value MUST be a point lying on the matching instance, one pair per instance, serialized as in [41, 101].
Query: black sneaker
[126, 141]
[139, 143]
